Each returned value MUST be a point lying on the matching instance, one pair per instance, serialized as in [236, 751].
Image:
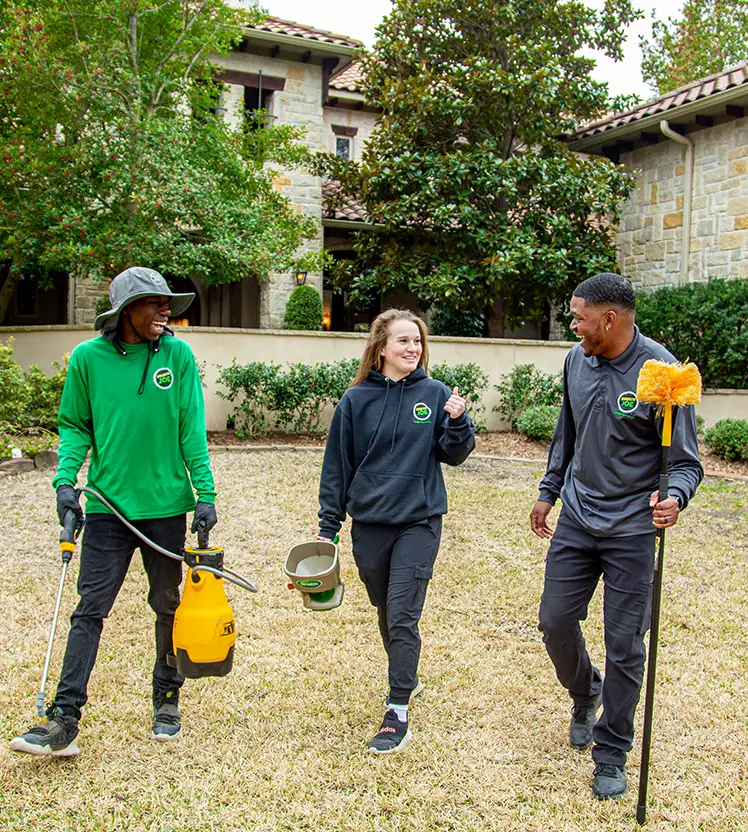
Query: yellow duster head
[669, 384]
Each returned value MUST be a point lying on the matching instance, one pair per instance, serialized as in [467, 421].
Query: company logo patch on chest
[627, 403]
[421, 413]
[163, 378]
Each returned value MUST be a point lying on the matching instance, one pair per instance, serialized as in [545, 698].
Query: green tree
[709, 36]
[112, 153]
[479, 203]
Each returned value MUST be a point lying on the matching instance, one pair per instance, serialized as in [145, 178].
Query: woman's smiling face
[403, 349]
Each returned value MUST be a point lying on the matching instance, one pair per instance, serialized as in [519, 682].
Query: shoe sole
[19, 744]
[616, 796]
[166, 737]
[399, 747]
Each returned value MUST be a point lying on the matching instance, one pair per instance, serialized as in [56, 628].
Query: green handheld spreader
[314, 569]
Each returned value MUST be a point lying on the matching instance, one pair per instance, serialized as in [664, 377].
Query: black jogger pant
[106, 552]
[396, 563]
[574, 564]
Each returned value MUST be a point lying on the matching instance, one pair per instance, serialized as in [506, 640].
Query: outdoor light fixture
[300, 278]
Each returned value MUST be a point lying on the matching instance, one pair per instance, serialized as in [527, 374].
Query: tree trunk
[8, 290]
[495, 319]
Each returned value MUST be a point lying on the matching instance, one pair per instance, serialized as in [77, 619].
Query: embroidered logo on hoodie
[163, 378]
[421, 413]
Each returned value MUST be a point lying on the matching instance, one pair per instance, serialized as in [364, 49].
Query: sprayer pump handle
[202, 535]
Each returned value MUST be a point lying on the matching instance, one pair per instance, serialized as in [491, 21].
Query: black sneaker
[610, 782]
[167, 722]
[583, 720]
[52, 738]
[392, 736]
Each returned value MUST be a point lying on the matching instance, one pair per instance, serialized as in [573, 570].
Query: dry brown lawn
[279, 744]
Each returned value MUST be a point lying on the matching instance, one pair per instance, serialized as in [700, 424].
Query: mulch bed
[493, 443]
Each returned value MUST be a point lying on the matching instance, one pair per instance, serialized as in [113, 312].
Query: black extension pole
[641, 808]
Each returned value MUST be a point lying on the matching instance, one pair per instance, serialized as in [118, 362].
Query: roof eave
[351, 225]
[303, 44]
[592, 144]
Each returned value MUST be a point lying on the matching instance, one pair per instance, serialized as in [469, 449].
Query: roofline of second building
[302, 44]
[589, 143]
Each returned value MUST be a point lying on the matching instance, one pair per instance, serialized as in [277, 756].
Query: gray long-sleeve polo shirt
[605, 457]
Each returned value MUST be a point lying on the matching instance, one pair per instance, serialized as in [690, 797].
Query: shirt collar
[626, 359]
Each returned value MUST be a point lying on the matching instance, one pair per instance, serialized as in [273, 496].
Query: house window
[254, 100]
[343, 147]
[27, 296]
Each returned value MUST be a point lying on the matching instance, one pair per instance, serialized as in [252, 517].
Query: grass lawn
[280, 743]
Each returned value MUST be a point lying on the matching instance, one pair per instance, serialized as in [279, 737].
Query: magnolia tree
[478, 203]
[112, 153]
[708, 37]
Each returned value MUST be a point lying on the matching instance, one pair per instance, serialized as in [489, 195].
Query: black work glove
[68, 500]
[205, 514]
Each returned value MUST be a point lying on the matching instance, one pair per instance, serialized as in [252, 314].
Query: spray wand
[666, 385]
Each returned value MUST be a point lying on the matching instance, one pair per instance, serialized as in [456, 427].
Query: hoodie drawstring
[397, 416]
[145, 371]
[379, 421]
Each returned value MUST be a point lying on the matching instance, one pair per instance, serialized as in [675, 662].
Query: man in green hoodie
[133, 397]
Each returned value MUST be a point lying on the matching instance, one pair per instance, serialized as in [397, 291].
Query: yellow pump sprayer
[204, 632]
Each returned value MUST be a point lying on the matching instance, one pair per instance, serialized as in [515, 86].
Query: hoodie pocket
[375, 497]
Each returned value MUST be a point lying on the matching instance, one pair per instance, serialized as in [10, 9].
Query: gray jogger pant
[574, 564]
[396, 563]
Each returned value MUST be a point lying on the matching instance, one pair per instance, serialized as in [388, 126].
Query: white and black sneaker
[55, 737]
[167, 723]
[393, 736]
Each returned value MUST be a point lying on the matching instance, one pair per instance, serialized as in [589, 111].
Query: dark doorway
[182, 285]
[41, 298]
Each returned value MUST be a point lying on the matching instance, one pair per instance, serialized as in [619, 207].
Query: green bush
[706, 323]
[304, 309]
[472, 383]
[523, 387]
[29, 398]
[28, 440]
[458, 324]
[539, 422]
[291, 399]
[728, 439]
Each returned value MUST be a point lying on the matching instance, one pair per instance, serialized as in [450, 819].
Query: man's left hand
[664, 514]
[205, 513]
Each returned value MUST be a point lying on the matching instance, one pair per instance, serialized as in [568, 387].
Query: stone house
[301, 76]
[687, 219]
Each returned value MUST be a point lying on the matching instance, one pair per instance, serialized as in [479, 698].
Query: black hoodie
[383, 451]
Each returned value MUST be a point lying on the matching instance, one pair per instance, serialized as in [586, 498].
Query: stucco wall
[650, 234]
[214, 346]
[363, 121]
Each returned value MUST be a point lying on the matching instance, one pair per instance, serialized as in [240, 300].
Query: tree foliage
[479, 203]
[112, 154]
[708, 37]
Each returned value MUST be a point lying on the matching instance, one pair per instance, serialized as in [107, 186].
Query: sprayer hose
[226, 573]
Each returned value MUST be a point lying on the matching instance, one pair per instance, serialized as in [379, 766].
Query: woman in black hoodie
[389, 434]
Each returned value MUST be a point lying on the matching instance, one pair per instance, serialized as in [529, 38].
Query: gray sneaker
[610, 782]
[167, 723]
[583, 719]
[51, 738]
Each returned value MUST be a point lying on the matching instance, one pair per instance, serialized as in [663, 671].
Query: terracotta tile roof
[730, 78]
[349, 210]
[351, 79]
[298, 30]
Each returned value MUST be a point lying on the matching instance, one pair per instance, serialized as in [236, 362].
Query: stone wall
[87, 295]
[299, 103]
[650, 234]
[363, 121]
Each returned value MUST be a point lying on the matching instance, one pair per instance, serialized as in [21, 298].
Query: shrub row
[292, 398]
[29, 401]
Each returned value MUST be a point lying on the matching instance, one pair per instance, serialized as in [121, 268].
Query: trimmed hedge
[706, 323]
[272, 398]
[728, 439]
[526, 386]
[539, 422]
[304, 309]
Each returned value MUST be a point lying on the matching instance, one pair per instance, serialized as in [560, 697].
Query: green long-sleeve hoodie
[142, 444]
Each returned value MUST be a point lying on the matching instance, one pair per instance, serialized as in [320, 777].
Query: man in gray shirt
[604, 463]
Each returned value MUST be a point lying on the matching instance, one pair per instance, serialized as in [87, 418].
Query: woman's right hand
[323, 539]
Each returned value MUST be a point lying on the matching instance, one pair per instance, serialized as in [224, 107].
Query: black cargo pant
[396, 563]
[106, 552]
[574, 564]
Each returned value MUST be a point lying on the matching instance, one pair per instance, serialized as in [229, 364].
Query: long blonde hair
[380, 329]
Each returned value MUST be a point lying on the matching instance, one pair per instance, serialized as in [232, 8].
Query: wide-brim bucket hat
[134, 284]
